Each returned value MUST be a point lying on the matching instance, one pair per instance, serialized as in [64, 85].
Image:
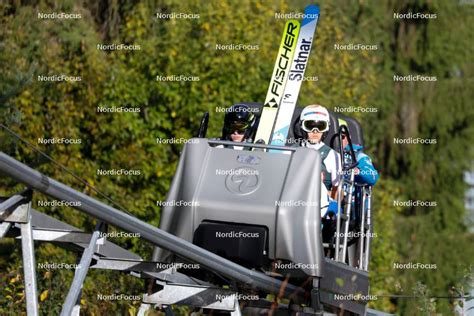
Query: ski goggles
[312, 126]
[239, 127]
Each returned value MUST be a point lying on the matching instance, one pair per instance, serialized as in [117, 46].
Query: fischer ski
[296, 74]
[278, 81]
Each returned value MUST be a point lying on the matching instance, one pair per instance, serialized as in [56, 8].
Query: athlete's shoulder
[360, 156]
[357, 147]
[325, 148]
[331, 151]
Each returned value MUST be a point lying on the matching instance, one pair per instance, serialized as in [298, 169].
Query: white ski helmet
[315, 118]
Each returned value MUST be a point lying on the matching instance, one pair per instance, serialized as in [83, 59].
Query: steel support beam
[4, 228]
[29, 266]
[6, 206]
[81, 273]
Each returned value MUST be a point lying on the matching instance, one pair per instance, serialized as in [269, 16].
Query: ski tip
[312, 8]
[311, 12]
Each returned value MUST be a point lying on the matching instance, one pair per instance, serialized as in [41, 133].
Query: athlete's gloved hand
[332, 209]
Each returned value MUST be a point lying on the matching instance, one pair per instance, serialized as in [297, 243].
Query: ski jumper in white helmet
[315, 118]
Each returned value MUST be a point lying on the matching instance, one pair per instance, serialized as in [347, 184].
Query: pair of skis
[288, 74]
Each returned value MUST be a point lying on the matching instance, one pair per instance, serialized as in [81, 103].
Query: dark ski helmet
[241, 118]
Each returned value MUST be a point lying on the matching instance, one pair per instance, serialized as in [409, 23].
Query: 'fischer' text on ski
[283, 59]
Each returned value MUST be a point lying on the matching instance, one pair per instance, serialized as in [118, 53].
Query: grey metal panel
[349, 279]
[147, 269]
[294, 231]
[61, 236]
[299, 227]
[172, 276]
[352, 306]
[179, 219]
[43, 222]
[342, 279]
[37, 181]
[125, 265]
[19, 215]
[198, 296]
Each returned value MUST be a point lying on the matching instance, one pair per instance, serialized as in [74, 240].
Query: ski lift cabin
[260, 207]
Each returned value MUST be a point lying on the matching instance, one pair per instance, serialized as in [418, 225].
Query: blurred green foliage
[443, 110]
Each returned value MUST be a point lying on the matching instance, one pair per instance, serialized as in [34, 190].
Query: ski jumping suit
[330, 168]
